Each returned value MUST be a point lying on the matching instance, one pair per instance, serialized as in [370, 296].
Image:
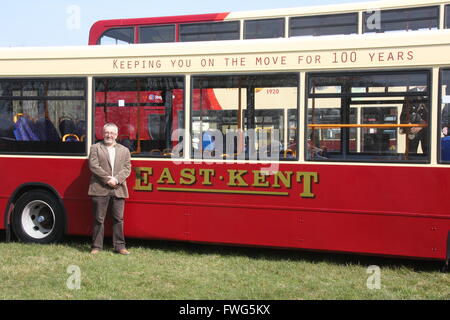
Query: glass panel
[263, 29]
[210, 31]
[245, 117]
[147, 111]
[292, 135]
[323, 25]
[359, 116]
[401, 19]
[117, 36]
[157, 34]
[43, 116]
[447, 16]
[445, 116]
[377, 140]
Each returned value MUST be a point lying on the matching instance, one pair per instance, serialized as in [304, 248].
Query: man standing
[110, 165]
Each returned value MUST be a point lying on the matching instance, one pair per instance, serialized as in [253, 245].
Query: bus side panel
[79, 216]
[365, 209]
[358, 233]
[3, 210]
[69, 178]
[258, 227]
[156, 221]
[142, 220]
[374, 234]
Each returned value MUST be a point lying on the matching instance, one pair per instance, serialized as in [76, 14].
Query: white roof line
[334, 8]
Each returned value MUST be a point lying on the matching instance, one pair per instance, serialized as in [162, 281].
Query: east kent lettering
[233, 181]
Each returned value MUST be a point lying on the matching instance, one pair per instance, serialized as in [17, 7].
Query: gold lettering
[236, 176]
[142, 179]
[187, 176]
[259, 179]
[207, 174]
[307, 183]
[166, 175]
[285, 177]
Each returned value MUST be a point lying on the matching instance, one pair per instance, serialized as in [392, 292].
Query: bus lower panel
[388, 235]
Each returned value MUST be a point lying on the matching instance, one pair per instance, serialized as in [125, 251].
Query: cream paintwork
[425, 48]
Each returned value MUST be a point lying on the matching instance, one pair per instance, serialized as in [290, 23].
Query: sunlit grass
[170, 270]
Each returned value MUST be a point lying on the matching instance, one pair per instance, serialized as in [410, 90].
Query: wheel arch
[21, 190]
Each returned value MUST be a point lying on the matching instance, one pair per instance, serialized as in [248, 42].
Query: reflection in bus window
[210, 31]
[424, 18]
[329, 139]
[379, 139]
[264, 29]
[245, 117]
[147, 111]
[118, 36]
[324, 25]
[368, 116]
[157, 34]
[445, 116]
[43, 116]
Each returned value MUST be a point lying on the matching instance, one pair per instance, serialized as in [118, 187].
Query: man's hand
[112, 182]
[415, 130]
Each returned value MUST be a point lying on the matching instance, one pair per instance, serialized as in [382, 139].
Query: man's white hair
[111, 125]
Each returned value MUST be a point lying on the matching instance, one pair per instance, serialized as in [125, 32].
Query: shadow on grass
[82, 244]
[282, 254]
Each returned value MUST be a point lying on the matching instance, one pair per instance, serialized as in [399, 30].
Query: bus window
[329, 139]
[445, 116]
[402, 20]
[324, 25]
[210, 31]
[245, 117]
[147, 111]
[263, 29]
[43, 116]
[117, 36]
[447, 16]
[368, 116]
[157, 34]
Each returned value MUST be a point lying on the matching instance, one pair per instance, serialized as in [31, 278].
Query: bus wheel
[38, 218]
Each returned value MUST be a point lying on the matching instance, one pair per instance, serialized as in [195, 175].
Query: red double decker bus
[335, 143]
[343, 19]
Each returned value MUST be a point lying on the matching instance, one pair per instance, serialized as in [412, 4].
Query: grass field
[171, 270]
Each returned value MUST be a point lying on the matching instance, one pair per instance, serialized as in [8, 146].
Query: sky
[30, 23]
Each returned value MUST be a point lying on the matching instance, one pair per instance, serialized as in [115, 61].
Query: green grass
[171, 270]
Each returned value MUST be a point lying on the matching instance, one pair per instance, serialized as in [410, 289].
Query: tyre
[38, 218]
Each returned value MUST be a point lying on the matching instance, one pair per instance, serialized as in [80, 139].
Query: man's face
[109, 135]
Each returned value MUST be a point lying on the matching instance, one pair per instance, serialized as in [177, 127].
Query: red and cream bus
[345, 19]
[332, 143]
